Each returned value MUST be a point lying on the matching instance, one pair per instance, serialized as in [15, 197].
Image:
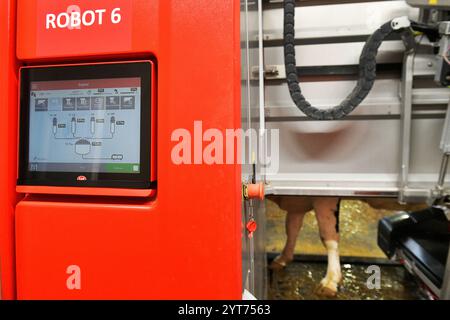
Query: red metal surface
[110, 192]
[161, 248]
[8, 146]
[138, 32]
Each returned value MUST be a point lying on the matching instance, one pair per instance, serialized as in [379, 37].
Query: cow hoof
[328, 287]
[279, 263]
[326, 292]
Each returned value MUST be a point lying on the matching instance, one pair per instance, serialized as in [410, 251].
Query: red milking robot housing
[91, 203]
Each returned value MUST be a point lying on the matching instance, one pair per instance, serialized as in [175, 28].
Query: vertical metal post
[406, 120]
[248, 73]
[445, 147]
[443, 171]
[445, 290]
[262, 141]
[262, 124]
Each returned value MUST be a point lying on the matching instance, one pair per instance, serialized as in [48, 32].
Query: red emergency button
[251, 228]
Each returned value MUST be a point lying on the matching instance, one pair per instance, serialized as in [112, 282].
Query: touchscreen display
[85, 126]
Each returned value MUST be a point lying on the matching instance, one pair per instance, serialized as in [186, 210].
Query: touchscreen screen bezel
[141, 180]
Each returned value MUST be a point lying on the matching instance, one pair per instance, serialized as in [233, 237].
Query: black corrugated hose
[367, 70]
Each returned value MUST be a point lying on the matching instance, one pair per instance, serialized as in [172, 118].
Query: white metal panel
[337, 20]
[384, 99]
[356, 157]
[332, 54]
[329, 93]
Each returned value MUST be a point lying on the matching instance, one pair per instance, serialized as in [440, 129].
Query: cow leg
[327, 214]
[296, 208]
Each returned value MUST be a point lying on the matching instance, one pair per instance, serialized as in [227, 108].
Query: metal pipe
[262, 125]
[406, 119]
[443, 171]
[445, 290]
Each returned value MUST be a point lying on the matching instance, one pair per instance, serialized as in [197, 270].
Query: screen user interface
[85, 126]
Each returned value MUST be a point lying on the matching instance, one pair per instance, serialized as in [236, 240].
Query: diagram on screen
[96, 128]
[83, 146]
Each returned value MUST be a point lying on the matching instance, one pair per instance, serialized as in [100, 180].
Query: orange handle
[255, 191]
